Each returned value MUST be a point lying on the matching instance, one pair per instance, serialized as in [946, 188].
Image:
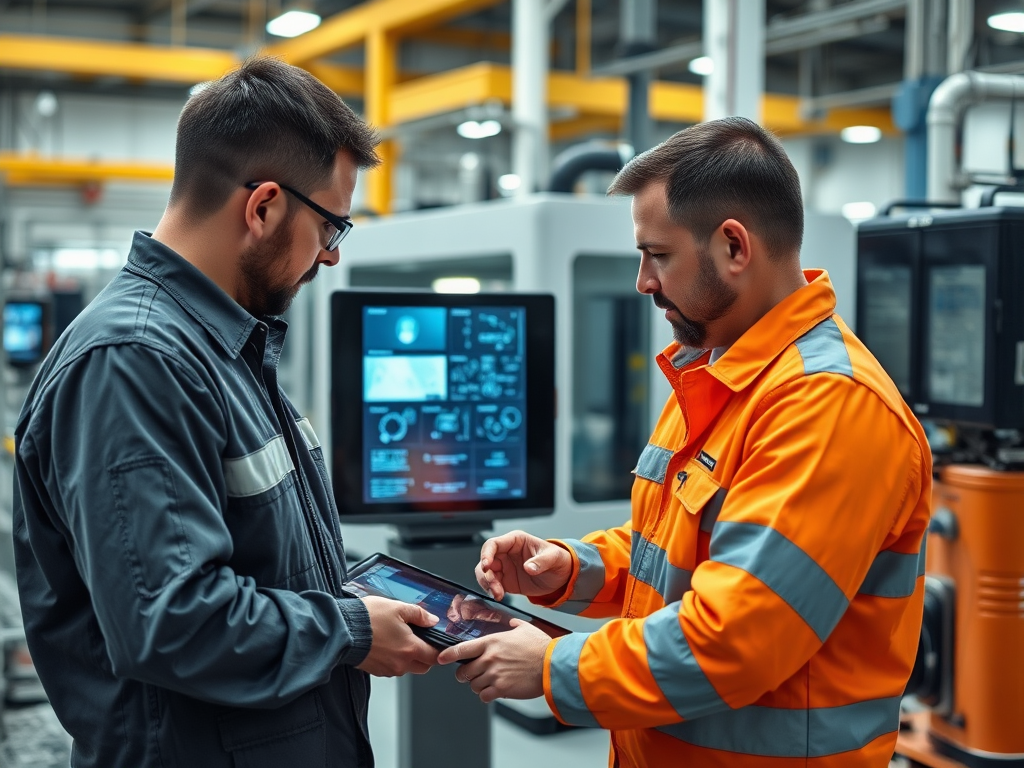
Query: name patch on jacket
[704, 458]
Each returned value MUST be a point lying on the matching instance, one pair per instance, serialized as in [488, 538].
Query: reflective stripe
[794, 733]
[312, 441]
[676, 671]
[649, 563]
[565, 680]
[786, 569]
[922, 556]
[259, 471]
[824, 350]
[892, 574]
[709, 516]
[590, 580]
[653, 463]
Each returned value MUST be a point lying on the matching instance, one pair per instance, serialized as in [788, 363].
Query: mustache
[663, 303]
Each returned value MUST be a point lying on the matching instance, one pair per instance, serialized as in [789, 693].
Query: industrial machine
[939, 306]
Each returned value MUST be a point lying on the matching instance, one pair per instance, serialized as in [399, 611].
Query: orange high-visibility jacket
[770, 583]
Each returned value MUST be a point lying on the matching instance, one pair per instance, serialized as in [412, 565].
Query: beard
[714, 299]
[259, 276]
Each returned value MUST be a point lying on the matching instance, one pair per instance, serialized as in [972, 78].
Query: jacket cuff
[559, 596]
[357, 619]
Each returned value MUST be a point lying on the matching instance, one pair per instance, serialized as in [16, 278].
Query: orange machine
[975, 561]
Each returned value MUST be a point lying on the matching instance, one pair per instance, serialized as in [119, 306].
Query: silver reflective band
[653, 463]
[794, 733]
[784, 568]
[674, 668]
[892, 574]
[589, 581]
[649, 564]
[259, 471]
[824, 350]
[565, 681]
[312, 441]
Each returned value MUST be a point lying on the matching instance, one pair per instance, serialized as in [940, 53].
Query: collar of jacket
[223, 318]
[764, 341]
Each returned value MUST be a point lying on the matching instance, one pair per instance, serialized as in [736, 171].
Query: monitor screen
[955, 347]
[885, 319]
[452, 410]
[24, 331]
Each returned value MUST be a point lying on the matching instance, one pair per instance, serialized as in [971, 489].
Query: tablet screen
[464, 615]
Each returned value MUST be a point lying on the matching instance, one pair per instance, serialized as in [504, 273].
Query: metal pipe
[577, 160]
[946, 109]
[529, 93]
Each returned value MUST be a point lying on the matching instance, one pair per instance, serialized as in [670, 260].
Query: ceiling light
[860, 134]
[293, 23]
[702, 65]
[473, 129]
[1011, 21]
[858, 211]
[456, 285]
[509, 182]
[46, 103]
[469, 161]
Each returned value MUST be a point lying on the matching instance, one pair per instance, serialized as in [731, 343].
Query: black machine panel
[939, 304]
[442, 406]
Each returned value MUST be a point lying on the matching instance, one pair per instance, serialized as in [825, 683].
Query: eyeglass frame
[342, 224]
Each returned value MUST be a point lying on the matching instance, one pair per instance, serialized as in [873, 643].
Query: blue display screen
[444, 403]
[23, 331]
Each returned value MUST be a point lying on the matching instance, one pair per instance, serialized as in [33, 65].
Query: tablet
[463, 613]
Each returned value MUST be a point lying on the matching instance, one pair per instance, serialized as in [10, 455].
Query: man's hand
[395, 649]
[508, 665]
[522, 564]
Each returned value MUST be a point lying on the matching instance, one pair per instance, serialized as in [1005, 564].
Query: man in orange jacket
[768, 588]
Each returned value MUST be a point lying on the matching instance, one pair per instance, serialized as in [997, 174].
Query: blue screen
[444, 403]
[23, 331]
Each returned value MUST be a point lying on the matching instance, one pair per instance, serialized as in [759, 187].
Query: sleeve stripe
[674, 668]
[565, 681]
[709, 515]
[786, 569]
[649, 563]
[892, 574]
[792, 733]
[653, 463]
[260, 471]
[590, 580]
[308, 435]
[824, 350]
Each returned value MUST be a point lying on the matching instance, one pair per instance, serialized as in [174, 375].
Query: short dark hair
[729, 168]
[265, 121]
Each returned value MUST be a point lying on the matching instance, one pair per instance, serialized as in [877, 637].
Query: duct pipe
[529, 93]
[577, 160]
[734, 40]
[946, 111]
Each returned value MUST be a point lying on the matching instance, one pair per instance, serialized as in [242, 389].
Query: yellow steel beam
[381, 78]
[345, 81]
[350, 28]
[466, 38]
[604, 98]
[29, 169]
[132, 60]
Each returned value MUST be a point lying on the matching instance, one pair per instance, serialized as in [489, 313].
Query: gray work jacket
[178, 548]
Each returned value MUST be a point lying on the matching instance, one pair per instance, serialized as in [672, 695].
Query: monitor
[24, 331]
[938, 305]
[442, 406]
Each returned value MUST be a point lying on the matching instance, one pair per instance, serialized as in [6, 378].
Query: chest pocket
[701, 495]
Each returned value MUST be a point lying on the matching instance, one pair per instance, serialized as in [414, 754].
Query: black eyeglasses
[342, 224]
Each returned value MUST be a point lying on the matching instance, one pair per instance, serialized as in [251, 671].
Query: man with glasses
[179, 554]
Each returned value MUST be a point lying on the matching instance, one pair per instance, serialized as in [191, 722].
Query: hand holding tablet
[464, 614]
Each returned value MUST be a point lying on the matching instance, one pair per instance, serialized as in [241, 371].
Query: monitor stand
[441, 720]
